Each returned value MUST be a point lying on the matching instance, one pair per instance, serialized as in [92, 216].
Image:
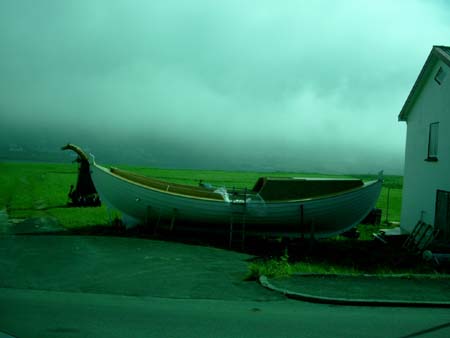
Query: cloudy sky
[272, 85]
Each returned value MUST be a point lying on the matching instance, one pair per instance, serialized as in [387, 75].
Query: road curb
[264, 281]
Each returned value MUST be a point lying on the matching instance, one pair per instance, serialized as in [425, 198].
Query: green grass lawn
[40, 189]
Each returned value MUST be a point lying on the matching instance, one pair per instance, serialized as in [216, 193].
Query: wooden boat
[291, 207]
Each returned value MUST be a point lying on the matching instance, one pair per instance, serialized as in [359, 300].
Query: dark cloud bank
[258, 85]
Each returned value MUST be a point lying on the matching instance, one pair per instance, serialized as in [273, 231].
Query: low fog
[257, 85]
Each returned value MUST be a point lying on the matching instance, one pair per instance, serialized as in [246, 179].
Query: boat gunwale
[363, 187]
[108, 171]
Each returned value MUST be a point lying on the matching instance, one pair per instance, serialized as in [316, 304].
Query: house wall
[422, 178]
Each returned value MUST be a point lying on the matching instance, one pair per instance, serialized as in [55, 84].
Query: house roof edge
[437, 53]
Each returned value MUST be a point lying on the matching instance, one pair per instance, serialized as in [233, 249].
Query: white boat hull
[323, 217]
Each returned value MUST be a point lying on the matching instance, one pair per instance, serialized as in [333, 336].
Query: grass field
[40, 189]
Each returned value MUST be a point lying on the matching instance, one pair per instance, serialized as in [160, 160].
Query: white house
[426, 185]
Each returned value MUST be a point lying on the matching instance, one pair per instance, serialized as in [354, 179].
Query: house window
[440, 76]
[433, 141]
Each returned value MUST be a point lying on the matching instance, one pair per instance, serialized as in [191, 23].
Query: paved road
[28, 313]
[126, 266]
[69, 286]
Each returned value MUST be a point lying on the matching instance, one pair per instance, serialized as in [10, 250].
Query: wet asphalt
[90, 286]
[33, 256]
[125, 266]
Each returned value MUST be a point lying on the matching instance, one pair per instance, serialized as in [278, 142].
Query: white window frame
[433, 138]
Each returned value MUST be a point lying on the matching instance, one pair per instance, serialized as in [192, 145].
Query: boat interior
[288, 188]
[267, 188]
[176, 188]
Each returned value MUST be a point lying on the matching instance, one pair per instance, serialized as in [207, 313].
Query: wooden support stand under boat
[237, 224]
